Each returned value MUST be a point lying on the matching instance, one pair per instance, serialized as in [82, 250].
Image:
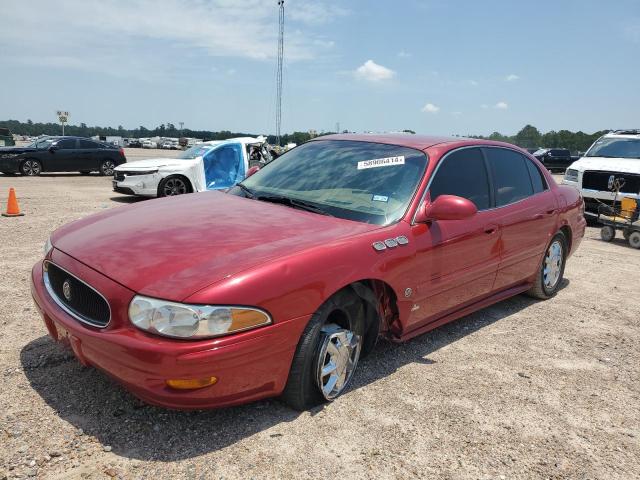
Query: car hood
[16, 150]
[172, 247]
[627, 165]
[156, 163]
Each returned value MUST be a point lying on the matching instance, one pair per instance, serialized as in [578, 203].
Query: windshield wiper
[293, 202]
[247, 191]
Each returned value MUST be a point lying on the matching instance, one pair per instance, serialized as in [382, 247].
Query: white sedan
[213, 165]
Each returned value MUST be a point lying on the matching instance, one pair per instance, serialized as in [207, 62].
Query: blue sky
[437, 67]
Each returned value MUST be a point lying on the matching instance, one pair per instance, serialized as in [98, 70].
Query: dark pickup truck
[554, 158]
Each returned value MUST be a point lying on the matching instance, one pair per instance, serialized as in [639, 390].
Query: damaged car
[215, 165]
[279, 286]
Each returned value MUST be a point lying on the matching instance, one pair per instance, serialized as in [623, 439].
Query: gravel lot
[523, 389]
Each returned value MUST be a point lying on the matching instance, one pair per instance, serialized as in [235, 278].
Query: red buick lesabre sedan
[279, 286]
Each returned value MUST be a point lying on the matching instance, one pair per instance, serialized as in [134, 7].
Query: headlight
[571, 175]
[180, 320]
[47, 246]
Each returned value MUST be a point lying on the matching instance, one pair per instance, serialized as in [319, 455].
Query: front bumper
[143, 185]
[594, 198]
[249, 365]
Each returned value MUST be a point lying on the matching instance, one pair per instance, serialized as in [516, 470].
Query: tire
[607, 233]
[30, 168]
[172, 186]
[547, 284]
[106, 168]
[634, 239]
[337, 326]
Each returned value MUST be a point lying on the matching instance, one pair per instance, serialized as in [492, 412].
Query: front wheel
[107, 167]
[328, 352]
[607, 233]
[551, 272]
[30, 168]
[172, 186]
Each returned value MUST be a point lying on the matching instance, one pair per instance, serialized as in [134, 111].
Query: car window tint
[88, 144]
[463, 173]
[66, 143]
[510, 176]
[538, 181]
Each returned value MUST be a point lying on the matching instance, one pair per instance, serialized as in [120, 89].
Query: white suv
[613, 159]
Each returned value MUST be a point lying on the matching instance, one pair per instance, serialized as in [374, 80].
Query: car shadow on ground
[128, 199]
[89, 400]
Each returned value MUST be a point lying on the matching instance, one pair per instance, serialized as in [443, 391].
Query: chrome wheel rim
[174, 186]
[108, 167]
[552, 265]
[337, 360]
[31, 168]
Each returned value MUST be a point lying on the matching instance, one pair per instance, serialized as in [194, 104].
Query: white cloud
[501, 106]
[403, 54]
[511, 77]
[130, 29]
[373, 72]
[431, 108]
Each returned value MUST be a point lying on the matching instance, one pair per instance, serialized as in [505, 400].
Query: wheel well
[176, 175]
[381, 309]
[566, 231]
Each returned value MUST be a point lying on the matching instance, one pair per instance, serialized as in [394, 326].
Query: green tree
[528, 137]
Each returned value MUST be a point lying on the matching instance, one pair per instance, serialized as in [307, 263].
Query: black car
[61, 154]
[554, 158]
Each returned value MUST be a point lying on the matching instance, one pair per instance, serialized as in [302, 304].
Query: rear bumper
[249, 366]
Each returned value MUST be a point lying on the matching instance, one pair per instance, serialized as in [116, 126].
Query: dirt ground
[523, 389]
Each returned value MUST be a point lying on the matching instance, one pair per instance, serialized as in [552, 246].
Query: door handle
[490, 229]
[548, 213]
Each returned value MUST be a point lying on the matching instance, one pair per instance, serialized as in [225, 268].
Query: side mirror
[252, 170]
[446, 207]
[52, 148]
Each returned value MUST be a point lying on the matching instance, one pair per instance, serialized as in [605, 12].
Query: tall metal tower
[279, 72]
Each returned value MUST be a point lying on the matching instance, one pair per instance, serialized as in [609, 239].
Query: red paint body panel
[213, 248]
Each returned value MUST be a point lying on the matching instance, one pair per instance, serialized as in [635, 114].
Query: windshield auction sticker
[381, 162]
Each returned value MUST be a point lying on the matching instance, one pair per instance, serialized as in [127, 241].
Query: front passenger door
[62, 157]
[456, 260]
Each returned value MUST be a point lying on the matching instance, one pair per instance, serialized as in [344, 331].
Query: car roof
[419, 142]
[628, 133]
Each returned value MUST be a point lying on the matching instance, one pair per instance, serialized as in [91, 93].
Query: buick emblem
[66, 290]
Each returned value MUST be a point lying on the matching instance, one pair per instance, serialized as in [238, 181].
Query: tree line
[528, 137]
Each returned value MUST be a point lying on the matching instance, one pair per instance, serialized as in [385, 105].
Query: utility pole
[337, 127]
[181, 125]
[279, 71]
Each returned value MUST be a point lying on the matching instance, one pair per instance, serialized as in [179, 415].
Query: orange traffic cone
[13, 210]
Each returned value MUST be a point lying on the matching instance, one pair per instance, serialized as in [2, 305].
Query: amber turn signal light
[191, 383]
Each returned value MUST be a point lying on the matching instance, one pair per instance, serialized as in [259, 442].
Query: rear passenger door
[527, 214]
[87, 158]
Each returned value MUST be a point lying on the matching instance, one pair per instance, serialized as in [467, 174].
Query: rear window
[511, 178]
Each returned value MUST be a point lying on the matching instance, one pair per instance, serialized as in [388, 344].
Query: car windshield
[615, 148]
[195, 151]
[355, 180]
[42, 143]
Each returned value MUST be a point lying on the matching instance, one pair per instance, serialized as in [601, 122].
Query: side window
[463, 173]
[223, 166]
[88, 144]
[538, 181]
[510, 175]
[66, 144]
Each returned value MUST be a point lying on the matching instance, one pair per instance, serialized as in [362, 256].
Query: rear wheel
[551, 271]
[30, 168]
[172, 186]
[607, 233]
[328, 352]
[107, 167]
[634, 239]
